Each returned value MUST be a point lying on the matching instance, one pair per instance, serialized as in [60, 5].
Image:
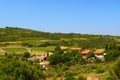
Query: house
[40, 58]
[85, 53]
[99, 53]
[45, 55]
[76, 49]
[37, 58]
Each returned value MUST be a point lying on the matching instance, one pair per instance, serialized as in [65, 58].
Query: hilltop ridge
[18, 34]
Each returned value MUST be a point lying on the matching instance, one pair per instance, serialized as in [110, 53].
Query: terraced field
[15, 50]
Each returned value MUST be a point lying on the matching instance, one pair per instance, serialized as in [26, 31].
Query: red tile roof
[99, 51]
[85, 52]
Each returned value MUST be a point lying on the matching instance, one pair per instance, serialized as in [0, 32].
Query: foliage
[90, 55]
[55, 58]
[57, 48]
[111, 46]
[48, 43]
[66, 43]
[15, 69]
[81, 40]
[81, 78]
[69, 76]
[65, 68]
[44, 49]
[109, 78]
[112, 55]
[17, 50]
[115, 72]
[99, 70]
[26, 54]
[64, 57]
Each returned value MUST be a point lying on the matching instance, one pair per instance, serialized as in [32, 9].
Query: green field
[15, 50]
[43, 49]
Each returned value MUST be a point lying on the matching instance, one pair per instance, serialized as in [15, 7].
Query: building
[85, 53]
[99, 53]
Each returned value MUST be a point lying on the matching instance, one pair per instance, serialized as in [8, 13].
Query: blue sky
[78, 16]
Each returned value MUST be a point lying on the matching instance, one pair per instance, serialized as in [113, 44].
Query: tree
[78, 57]
[55, 59]
[15, 69]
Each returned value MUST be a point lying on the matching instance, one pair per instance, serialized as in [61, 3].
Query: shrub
[15, 69]
[26, 54]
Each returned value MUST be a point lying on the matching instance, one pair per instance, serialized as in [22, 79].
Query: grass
[15, 50]
[30, 41]
[88, 70]
[35, 40]
[43, 49]
[40, 50]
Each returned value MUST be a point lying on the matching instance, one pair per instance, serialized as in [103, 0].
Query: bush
[15, 69]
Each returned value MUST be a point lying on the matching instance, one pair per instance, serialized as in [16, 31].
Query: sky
[66, 16]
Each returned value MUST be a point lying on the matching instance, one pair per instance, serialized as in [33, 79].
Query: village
[41, 59]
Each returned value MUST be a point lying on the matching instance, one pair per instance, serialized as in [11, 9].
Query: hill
[11, 34]
[17, 34]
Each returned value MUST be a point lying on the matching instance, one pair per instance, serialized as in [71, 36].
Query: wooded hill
[9, 34]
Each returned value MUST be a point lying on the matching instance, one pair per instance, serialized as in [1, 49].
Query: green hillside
[37, 38]
[15, 34]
